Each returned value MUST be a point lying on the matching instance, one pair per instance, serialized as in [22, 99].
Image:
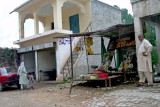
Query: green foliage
[7, 57]
[150, 35]
[116, 7]
[154, 56]
[126, 17]
[69, 78]
[64, 82]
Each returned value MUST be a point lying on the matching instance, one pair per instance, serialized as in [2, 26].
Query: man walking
[144, 61]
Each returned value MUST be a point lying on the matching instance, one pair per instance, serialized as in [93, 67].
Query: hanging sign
[127, 40]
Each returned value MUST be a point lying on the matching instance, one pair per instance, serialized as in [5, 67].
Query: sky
[9, 30]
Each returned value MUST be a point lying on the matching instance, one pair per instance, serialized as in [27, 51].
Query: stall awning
[113, 31]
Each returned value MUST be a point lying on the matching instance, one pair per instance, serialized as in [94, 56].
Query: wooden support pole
[110, 83]
[106, 82]
[115, 60]
[119, 35]
[71, 65]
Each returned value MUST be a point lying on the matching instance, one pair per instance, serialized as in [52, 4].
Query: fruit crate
[102, 75]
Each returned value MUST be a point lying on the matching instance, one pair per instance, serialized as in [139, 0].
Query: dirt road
[47, 95]
[56, 95]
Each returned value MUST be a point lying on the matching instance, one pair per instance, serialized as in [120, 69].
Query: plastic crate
[102, 75]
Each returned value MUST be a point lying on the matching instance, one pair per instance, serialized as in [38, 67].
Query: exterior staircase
[80, 47]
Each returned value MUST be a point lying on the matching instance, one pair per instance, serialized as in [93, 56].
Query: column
[59, 72]
[57, 12]
[157, 27]
[36, 24]
[36, 66]
[138, 30]
[21, 27]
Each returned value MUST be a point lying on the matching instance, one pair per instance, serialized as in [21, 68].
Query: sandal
[139, 84]
[147, 85]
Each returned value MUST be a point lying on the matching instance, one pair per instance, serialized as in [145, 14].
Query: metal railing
[75, 53]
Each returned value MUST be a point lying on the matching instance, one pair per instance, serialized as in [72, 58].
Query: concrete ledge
[48, 33]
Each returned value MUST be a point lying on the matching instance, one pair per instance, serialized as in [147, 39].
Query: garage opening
[47, 64]
[29, 61]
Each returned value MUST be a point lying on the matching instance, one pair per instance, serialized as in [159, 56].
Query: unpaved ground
[56, 95]
[128, 97]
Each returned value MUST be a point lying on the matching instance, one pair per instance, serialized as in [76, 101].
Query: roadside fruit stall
[121, 45]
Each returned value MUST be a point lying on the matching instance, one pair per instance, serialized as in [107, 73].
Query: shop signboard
[123, 41]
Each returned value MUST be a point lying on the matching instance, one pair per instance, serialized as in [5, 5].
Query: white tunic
[143, 60]
[23, 74]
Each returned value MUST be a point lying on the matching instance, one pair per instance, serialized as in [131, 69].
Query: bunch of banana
[89, 42]
[77, 48]
[89, 51]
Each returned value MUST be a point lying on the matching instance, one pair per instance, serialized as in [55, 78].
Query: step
[66, 67]
[65, 73]
[80, 45]
[75, 56]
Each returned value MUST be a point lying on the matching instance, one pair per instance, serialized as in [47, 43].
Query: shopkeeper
[144, 61]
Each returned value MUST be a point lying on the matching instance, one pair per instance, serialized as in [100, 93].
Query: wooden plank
[110, 77]
[105, 79]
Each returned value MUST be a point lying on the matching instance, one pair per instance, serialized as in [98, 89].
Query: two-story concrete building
[41, 51]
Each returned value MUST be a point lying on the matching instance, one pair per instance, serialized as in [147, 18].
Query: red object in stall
[102, 75]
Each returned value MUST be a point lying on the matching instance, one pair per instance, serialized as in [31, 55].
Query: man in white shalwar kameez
[145, 61]
[23, 81]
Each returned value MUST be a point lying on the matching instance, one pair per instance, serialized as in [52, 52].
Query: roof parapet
[25, 3]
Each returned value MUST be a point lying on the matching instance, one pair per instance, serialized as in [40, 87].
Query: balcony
[41, 38]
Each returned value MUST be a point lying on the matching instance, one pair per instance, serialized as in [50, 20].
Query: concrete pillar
[57, 12]
[36, 66]
[36, 24]
[21, 27]
[138, 29]
[157, 27]
[59, 73]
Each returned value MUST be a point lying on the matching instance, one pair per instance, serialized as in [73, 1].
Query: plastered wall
[103, 16]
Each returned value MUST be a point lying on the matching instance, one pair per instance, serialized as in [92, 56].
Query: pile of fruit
[88, 76]
[89, 42]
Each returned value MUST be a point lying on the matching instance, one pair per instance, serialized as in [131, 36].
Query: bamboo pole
[71, 65]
